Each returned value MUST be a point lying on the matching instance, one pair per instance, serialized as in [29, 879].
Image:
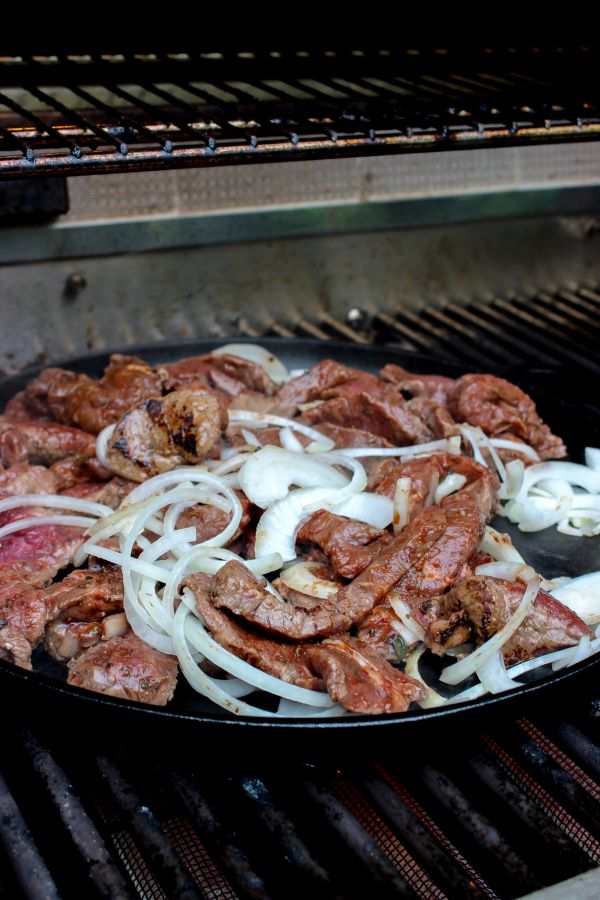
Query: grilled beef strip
[236, 589]
[41, 442]
[287, 661]
[164, 432]
[23, 616]
[430, 387]
[487, 604]
[349, 545]
[360, 680]
[25, 479]
[126, 667]
[75, 470]
[231, 375]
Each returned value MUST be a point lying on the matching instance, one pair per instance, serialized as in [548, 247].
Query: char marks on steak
[488, 603]
[349, 545]
[23, 616]
[499, 407]
[164, 432]
[126, 667]
[360, 680]
[287, 661]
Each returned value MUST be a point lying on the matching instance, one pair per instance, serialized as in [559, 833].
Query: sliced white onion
[267, 475]
[471, 436]
[249, 437]
[582, 595]
[102, 442]
[403, 452]
[432, 698]
[499, 546]
[509, 571]
[300, 577]
[511, 486]
[564, 471]
[374, 509]
[56, 501]
[404, 613]
[592, 458]
[401, 504]
[38, 521]
[264, 420]
[517, 446]
[467, 666]
[289, 441]
[537, 513]
[273, 366]
[493, 675]
[451, 483]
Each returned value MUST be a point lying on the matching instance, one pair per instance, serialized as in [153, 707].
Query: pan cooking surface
[561, 403]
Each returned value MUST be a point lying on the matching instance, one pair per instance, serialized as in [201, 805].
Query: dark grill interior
[82, 113]
[506, 812]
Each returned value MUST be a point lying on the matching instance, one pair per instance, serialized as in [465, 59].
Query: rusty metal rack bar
[79, 113]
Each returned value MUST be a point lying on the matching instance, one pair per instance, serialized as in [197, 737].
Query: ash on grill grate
[82, 113]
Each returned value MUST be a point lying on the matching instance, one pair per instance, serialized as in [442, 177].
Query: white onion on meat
[300, 577]
[467, 666]
[102, 442]
[493, 675]
[55, 501]
[517, 446]
[402, 452]
[374, 509]
[401, 504]
[499, 546]
[268, 474]
[289, 441]
[451, 483]
[509, 571]
[273, 366]
[404, 613]
[265, 420]
[38, 521]
[431, 698]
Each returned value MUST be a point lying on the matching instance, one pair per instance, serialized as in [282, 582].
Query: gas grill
[501, 269]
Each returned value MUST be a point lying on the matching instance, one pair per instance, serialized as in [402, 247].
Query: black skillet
[561, 401]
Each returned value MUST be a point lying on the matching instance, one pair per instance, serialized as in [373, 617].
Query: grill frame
[351, 103]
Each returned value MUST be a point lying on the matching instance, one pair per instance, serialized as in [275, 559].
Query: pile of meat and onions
[141, 512]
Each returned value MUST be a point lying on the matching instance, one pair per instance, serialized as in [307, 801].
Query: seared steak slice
[126, 667]
[497, 407]
[360, 680]
[22, 619]
[349, 545]
[431, 387]
[345, 436]
[311, 385]
[110, 493]
[41, 442]
[74, 470]
[164, 432]
[209, 521]
[231, 375]
[283, 660]
[434, 416]
[489, 602]
[235, 587]
[386, 416]
[76, 399]
[24, 479]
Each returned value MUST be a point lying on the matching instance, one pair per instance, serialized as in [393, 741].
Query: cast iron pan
[561, 401]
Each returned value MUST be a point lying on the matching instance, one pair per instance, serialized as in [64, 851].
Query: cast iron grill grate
[490, 822]
[84, 113]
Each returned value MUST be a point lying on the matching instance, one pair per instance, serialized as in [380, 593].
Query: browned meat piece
[286, 661]
[41, 442]
[432, 387]
[235, 587]
[111, 493]
[311, 385]
[24, 479]
[434, 416]
[360, 679]
[74, 470]
[76, 399]
[32, 403]
[164, 432]
[126, 667]
[22, 620]
[489, 602]
[388, 417]
[83, 610]
[379, 632]
[349, 545]
[210, 521]
[229, 374]
[497, 407]
[352, 437]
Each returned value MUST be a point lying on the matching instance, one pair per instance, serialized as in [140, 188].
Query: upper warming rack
[90, 113]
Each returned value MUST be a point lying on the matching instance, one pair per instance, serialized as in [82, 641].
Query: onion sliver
[267, 475]
[467, 666]
[412, 450]
[451, 483]
[565, 471]
[102, 445]
[517, 446]
[493, 676]
[403, 611]
[401, 504]
[509, 571]
[38, 521]
[432, 698]
[301, 578]
[289, 441]
[470, 434]
[374, 509]
[592, 458]
[273, 366]
[264, 420]
[55, 501]
[582, 595]
[499, 546]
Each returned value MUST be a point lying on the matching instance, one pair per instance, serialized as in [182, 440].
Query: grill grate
[485, 824]
[83, 113]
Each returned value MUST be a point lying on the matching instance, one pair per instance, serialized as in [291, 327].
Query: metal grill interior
[82, 113]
